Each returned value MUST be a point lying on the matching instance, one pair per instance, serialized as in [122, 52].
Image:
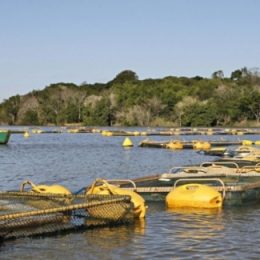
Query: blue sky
[49, 41]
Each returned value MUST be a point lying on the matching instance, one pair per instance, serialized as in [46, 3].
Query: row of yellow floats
[99, 187]
[72, 131]
[175, 131]
[34, 131]
[134, 133]
[203, 145]
[189, 195]
[197, 145]
[175, 144]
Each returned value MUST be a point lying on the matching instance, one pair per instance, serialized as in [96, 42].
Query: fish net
[25, 214]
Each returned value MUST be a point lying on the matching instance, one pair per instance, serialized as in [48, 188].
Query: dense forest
[128, 101]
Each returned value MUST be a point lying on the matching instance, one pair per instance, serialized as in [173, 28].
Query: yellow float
[247, 142]
[201, 145]
[102, 187]
[195, 196]
[26, 134]
[127, 142]
[73, 131]
[233, 131]
[106, 133]
[37, 131]
[53, 189]
[174, 144]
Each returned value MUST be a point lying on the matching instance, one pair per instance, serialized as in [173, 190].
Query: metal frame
[219, 163]
[203, 179]
[122, 180]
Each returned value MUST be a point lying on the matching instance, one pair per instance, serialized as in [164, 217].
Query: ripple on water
[76, 160]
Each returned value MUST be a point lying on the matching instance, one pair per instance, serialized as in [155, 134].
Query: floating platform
[80, 130]
[183, 131]
[235, 195]
[186, 144]
[239, 186]
[34, 131]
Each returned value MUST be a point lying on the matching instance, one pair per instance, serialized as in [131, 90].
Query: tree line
[128, 101]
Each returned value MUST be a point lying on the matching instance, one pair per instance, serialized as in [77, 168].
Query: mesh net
[28, 214]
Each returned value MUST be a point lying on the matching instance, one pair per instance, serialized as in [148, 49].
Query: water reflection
[195, 211]
[76, 160]
[109, 242]
[198, 224]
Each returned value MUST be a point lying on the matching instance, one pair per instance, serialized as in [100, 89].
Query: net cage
[25, 214]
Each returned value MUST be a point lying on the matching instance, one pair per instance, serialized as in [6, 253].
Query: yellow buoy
[109, 133]
[175, 144]
[109, 189]
[233, 131]
[247, 142]
[210, 131]
[106, 133]
[257, 142]
[37, 131]
[201, 145]
[54, 189]
[73, 131]
[195, 196]
[127, 142]
[26, 134]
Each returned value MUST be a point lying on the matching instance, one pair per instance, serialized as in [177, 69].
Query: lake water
[75, 160]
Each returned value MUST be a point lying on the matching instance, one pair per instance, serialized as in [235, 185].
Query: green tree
[12, 106]
[124, 76]
[236, 75]
[219, 74]
[200, 115]
[100, 114]
[30, 118]
[250, 106]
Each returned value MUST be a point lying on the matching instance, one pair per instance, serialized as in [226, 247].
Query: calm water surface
[74, 160]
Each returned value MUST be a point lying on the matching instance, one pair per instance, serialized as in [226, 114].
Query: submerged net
[28, 214]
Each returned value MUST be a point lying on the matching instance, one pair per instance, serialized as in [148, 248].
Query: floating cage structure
[24, 214]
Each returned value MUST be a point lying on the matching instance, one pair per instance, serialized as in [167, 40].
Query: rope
[61, 209]
[56, 195]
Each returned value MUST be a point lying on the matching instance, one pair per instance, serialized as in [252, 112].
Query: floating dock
[182, 131]
[186, 144]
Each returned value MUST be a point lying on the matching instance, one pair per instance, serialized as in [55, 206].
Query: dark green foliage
[124, 76]
[204, 89]
[250, 106]
[200, 115]
[218, 74]
[236, 75]
[98, 115]
[11, 108]
[30, 118]
[72, 113]
[126, 100]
